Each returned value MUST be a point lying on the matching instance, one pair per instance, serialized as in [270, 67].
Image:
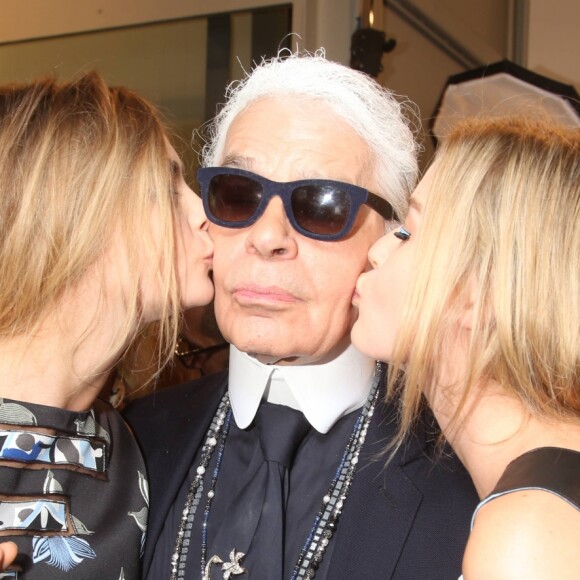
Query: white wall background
[416, 68]
[553, 44]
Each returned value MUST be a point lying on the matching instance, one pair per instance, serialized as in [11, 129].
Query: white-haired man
[272, 470]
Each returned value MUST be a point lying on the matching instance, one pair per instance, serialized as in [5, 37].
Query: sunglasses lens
[322, 210]
[234, 198]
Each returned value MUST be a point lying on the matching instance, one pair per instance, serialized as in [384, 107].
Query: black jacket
[407, 521]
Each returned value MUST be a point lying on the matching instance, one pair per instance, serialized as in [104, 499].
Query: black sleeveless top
[552, 469]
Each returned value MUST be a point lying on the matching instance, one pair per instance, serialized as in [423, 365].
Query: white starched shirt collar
[323, 392]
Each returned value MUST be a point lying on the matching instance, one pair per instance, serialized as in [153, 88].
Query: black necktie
[257, 519]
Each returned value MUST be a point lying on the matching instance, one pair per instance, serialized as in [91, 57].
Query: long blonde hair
[82, 165]
[502, 217]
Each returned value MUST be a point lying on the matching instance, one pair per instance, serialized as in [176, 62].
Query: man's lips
[254, 293]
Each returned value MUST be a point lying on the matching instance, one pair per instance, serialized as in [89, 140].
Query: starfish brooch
[233, 568]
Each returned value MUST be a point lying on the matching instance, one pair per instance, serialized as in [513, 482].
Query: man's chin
[266, 352]
[285, 345]
[271, 359]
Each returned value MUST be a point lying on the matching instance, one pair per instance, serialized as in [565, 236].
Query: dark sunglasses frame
[358, 196]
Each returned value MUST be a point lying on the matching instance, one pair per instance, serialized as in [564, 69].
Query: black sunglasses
[317, 208]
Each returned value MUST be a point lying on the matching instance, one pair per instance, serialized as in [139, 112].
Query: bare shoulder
[526, 534]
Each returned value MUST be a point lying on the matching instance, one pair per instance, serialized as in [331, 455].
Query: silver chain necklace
[325, 522]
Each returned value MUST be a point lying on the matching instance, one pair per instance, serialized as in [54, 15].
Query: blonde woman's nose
[379, 250]
[196, 215]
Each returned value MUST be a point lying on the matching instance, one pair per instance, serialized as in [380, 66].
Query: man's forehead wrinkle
[303, 167]
[301, 171]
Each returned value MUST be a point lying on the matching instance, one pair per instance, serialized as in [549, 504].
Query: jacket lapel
[176, 422]
[380, 509]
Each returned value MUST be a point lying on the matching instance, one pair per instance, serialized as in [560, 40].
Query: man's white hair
[385, 123]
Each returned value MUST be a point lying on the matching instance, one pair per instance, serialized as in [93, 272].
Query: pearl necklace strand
[326, 520]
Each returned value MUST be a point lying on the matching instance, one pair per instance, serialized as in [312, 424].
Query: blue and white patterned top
[73, 493]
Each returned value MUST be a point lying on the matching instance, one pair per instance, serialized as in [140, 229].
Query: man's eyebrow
[247, 163]
[238, 161]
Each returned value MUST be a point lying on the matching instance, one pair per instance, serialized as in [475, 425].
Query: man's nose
[273, 235]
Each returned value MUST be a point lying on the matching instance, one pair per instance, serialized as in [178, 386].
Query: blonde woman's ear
[466, 319]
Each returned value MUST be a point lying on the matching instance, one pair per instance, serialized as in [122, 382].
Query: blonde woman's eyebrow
[415, 204]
